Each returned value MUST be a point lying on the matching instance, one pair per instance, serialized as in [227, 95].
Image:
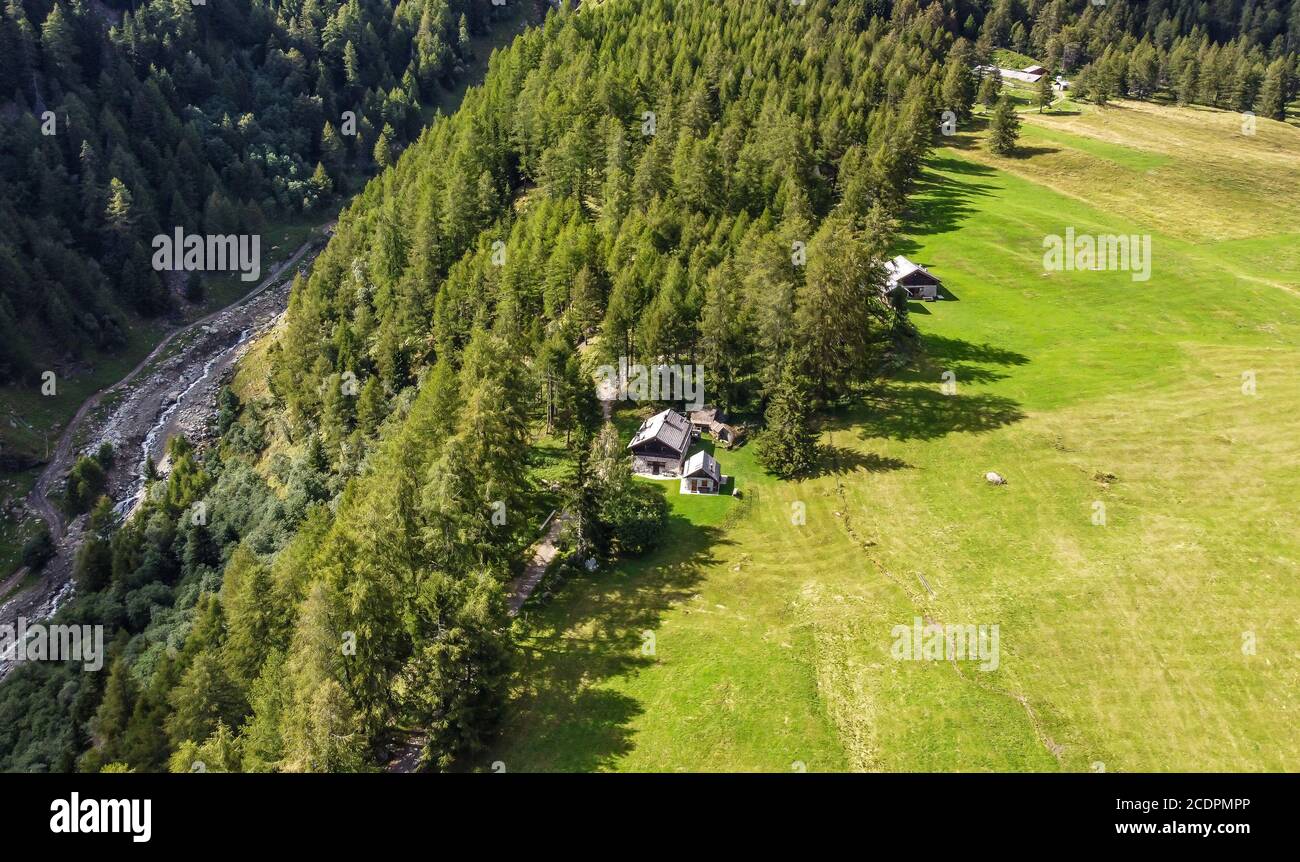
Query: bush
[93, 566]
[85, 483]
[194, 288]
[140, 604]
[38, 550]
[636, 521]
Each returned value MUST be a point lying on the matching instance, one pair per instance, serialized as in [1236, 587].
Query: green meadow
[1141, 562]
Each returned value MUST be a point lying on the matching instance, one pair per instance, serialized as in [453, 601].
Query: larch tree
[1004, 128]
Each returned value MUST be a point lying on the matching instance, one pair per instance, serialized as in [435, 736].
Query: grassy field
[1165, 638]
[1008, 59]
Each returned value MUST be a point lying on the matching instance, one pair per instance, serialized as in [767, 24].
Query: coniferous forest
[669, 181]
[121, 120]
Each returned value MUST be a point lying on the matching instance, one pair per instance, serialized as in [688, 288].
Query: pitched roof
[668, 427]
[703, 464]
[1013, 74]
[715, 427]
[900, 268]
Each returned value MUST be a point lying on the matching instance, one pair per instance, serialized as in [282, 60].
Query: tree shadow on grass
[912, 411]
[940, 205]
[967, 361]
[911, 404]
[840, 461]
[564, 718]
[1024, 151]
[942, 349]
[933, 373]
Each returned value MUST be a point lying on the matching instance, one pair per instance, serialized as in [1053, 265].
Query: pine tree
[321, 183]
[787, 446]
[958, 90]
[332, 153]
[119, 214]
[246, 592]
[383, 151]
[206, 695]
[837, 308]
[1004, 128]
[1043, 98]
[464, 42]
[59, 43]
[320, 728]
[1275, 92]
[459, 709]
[263, 743]
[721, 346]
[990, 89]
[108, 727]
[371, 407]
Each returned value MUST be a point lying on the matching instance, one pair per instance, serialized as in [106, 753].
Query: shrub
[38, 550]
[636, 521]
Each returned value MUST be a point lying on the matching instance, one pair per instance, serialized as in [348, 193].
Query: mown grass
[1163, 639]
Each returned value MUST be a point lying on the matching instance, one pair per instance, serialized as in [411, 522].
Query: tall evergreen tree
[1004, 128]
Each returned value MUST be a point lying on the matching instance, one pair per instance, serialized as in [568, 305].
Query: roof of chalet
[1035, 69]
[1011, 74]
[707, 416]
[715, 427]
[703, 464]
[669, 427]
[900, 268]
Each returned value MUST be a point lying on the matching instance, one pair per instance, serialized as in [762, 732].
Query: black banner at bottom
[138, 813]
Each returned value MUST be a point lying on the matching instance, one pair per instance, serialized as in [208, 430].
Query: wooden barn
[714, 422]
[701, 475]
[659, 446]
[912, 277]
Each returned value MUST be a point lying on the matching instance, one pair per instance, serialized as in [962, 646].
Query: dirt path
[60, 461]
[545, 550]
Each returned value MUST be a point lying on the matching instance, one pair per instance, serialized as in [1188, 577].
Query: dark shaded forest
[121, 120]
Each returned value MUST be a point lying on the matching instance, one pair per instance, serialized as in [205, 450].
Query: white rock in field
[994, 478]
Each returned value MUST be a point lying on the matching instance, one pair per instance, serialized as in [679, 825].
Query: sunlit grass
[1121, 644]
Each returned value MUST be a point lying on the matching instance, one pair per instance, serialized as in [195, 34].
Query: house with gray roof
[701, 475]
[659, 446]
[912, 277]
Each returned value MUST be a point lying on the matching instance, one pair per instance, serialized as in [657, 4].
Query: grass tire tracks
[924, 607]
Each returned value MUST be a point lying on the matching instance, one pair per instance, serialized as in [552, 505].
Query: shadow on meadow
[912, 406]
[1026, 151]
[912, 411]
[943, 349]
[558, 703]
[940, 205]
[968, 362]
[840, 461]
